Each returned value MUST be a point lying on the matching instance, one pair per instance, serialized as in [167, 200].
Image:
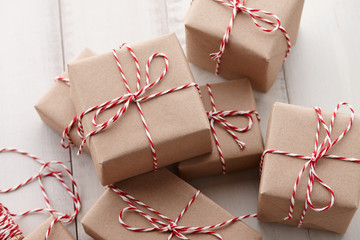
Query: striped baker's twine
[66, 141]
[63, 79]
[172, 226]
[8, 228]
[320, 151]
[125, 101]
[11, 229]
[219, 116]
[256, 15]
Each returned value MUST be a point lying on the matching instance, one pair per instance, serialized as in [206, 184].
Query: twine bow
[219, 116]
[137, 97]
[8, 228]
[255, 15]
[172, 226]
[320, 151]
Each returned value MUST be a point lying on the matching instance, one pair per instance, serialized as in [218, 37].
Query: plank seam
[61, 35]
[63, 63]
[286, 85]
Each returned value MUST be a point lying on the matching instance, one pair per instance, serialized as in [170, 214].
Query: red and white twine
[170, 226]
[320, 151]
[66, 141]
[137, 97]
[8, 227]
[63, 79]
[219, 116]
[256, 15]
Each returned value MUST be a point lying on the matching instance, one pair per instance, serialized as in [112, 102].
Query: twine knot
[159, 223]
[130, 97]
[220, 117]
[320, 151]
[256, 15]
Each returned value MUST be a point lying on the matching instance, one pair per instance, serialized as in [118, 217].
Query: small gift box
[56, 109]
[159, 205]
[237, 140]
[310, 170]
[58, 232]
[139, 109]
[249, 38]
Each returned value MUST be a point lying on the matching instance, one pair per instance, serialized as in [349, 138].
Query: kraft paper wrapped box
[292, 129]
[250, 51]
[168, 194]
[230, 95]
[177, 121]
[58, 232]
[56, 108]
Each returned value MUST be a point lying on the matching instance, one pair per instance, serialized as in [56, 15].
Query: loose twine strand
[8, 228]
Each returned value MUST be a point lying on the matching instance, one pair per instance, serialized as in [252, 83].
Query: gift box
[168, 194]
[58, 232]
[176, 123]
[234, 102]
[248, 50]
[56, 108]
[292, 136]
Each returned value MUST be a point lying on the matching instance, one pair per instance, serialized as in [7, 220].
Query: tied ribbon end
[287, 218]
[241, 144]
[215, 56]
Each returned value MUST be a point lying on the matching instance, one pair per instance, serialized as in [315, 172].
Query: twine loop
[172, 226]
[320, 151]
[219, 116]
[125, 100]
[8, 227]
[256, 15]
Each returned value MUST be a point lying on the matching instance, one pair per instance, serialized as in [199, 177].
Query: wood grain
[30, 58]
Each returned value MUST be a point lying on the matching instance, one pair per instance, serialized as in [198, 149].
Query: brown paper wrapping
[56, 108]
[231, 95]
[17, 237]
[58, 232]
[177, 121]
[250, 52]
[168, 194]
[292, 129]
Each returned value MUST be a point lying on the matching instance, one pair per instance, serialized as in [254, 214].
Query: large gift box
[58, 232]
[149, 129]
[247, 50]
[170, 196]
[56, 108]
[290, 142]
[237, 141]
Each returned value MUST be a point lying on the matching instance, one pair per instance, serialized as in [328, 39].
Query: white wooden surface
[39, 37]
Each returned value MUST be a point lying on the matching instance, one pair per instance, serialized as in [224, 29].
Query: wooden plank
[323, 69]
[103, 27]
[30, 58]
